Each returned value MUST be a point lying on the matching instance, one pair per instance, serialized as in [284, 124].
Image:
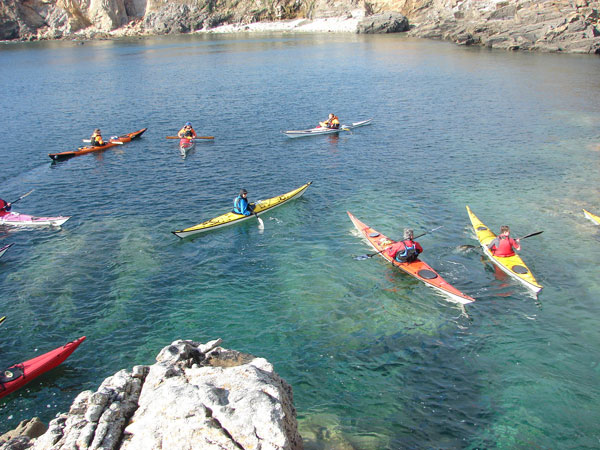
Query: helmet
[243, 191]
[188, 124]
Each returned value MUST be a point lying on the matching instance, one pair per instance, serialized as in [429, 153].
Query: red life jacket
[505, 246]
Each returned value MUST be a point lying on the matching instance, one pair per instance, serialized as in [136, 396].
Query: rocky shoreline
[570, 26]
[196, 396]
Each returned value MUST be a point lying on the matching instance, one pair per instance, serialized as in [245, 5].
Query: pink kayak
[16, 219]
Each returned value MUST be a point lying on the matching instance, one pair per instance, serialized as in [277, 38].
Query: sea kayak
[185, 145]
[16, 219]
[511, 265]
[3, 249]
[90, 149]
[324, 130]
[260, 207]
[17, 376]
[418, 269]
[593, 217]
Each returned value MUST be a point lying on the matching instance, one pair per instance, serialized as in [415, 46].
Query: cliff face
[196, 396]
[553, 25]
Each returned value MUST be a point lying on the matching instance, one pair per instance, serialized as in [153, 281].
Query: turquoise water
[376, 359]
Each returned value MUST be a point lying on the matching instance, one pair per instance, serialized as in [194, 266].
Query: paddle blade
[361, 257]
[261, 224]
[532, 234]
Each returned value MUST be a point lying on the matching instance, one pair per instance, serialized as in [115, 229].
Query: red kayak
[19, 375]
[89, 149]
[418, 269]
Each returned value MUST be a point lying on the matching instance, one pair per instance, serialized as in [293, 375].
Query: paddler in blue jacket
[241, 204]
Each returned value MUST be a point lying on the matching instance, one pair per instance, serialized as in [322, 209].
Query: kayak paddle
[529, 235]
[261, 224]
[370, 255]
[22, 196]
[197, 137]
[112, 142]
[2, 319]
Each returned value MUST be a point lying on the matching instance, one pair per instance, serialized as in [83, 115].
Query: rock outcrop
[195, 397]
[549, 25]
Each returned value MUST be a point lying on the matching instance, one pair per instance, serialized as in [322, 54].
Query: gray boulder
[389, 22]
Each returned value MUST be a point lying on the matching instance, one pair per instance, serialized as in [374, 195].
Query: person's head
[188, 125]
[243, 192]
[408, 233]
[504, 229]
[331, 115]
[97, 131]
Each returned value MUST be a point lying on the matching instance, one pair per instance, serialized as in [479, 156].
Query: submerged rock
[195, 397]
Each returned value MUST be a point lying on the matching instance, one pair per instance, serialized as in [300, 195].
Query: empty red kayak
[418, 269]
[19, 375]
[89, 149]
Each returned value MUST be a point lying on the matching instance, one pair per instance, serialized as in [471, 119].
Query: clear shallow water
[376, 359]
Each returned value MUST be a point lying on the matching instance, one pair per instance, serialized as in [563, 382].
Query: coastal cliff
[556, 26]
[196, 396]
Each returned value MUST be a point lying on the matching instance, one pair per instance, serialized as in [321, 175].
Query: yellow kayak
[593, 217]
[230, 218]
[511, 265]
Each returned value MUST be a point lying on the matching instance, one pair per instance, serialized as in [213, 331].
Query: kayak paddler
[405, 250]
[187, 131]
[96, 139]
[241, 204]
[332, 122]
[4, 206]
[504, 245]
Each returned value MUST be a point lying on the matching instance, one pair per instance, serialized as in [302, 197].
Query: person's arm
[245, 209]
[493, 244]
[180, 133]
[193, 134]
[418, 248]
[516, 244]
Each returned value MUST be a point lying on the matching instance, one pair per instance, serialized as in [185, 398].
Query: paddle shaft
[529, 235]
[22, 197]
[110, 141]
[197, 137]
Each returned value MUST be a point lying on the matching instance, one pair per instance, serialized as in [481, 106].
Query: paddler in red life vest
[4, 206]
[504, 245]
[187, 131]
[332, 122]
[96, 139]
[405, 250]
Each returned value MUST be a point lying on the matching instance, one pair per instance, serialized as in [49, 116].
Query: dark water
[376, 360]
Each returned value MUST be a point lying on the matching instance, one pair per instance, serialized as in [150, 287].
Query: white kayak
[325, 130]
[16, 219]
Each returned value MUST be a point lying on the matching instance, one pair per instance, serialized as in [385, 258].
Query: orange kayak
[89, 149]
[418, 269]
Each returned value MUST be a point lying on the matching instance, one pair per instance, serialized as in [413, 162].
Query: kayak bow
[17, 376]
[6, 247]
[90, 149]
[230, 218]
[16, 219]
[593, 217]
[324, 130]
[511, 265]
[417, 269]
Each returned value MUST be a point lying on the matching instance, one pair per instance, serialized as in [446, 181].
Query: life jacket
[236, 204]
[3, 207]
[504, 247]
[334, 122]
[97, 140]
[187, 133]
[409, 254]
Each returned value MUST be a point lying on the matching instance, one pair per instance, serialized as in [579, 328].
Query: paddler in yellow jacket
[332, 122]
[96, 139]
[187, 131]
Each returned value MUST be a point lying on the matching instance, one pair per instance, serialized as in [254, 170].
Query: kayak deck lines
[230, 218]
[513, 266]
[417, 269]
